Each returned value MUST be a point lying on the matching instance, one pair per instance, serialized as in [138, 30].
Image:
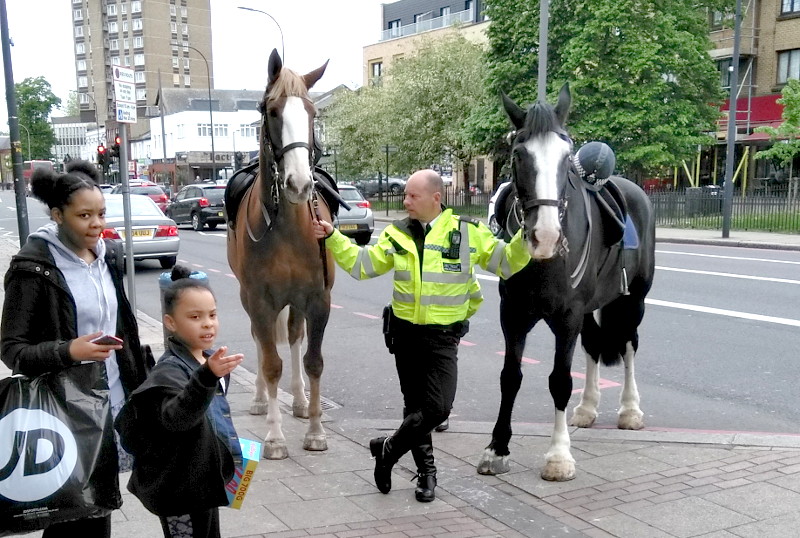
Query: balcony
[462, 17]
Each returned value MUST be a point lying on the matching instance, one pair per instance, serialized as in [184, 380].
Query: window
[136, 6]
[113, 44]
[788, 65]
[115, 60]
[138, 76]
[176, 80]
[247, 131]
[137, 24]
[112, 9]
[141, 94]
[77, 15]
[468, 5]
[83, 82]
[174, 62]
[81, 65]
[126, 43]
[79, 31]
[187, 80]
[127, 61]
[790, 6]
[444, 12]
[375, 69]
[185, 29]
[138, 42]
[180, 130]
[172, 10]
[173, 27]
[123, 8]
[138, 59]
[203, 129]
[112, 27]
[221, 129]
[184, 12]
[394, 28]
[80, 48]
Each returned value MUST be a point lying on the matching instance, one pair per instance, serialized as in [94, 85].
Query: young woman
[64, 289]
[188, 447]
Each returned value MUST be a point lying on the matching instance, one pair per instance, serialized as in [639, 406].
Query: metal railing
[434, 23]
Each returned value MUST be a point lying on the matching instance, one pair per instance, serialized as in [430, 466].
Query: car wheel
[167, 262]
[363, 238]
[395, 189]
[197, 222]
[493, 226]
[212, 225]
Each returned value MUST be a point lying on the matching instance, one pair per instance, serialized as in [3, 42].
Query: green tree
[72, 107]
[639, 70]
[787, 134]
[35, 102]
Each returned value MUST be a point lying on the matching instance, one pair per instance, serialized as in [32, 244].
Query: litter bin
[693, 201]
[712, 200]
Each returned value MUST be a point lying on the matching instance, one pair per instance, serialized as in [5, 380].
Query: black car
[199, 205]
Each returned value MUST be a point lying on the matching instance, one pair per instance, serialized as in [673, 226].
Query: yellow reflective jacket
[443, 289]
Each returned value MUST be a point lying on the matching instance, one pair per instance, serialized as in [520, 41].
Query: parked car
[370, 187]
[154, 235]
[106, 188]
[200, 204]
[492, 218]
[152, 190]
[358, 222]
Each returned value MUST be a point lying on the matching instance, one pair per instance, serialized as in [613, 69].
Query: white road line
[766, 260]
[729, 275]
[723, 312]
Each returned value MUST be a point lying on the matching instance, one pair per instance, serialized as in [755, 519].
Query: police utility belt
[395, 328]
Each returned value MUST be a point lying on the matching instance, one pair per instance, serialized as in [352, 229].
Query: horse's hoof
[316, 443]
[559, 470]
[258, 408]
[631, 420]
[582, 418]
[492, 464]
[275, 450]
[300, 410]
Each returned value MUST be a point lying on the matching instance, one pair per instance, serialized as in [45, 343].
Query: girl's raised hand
[83, 349]
[221, 365]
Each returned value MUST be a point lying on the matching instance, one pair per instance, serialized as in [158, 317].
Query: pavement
[630, 484]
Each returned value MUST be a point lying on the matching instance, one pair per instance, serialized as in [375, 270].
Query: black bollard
[164, 282]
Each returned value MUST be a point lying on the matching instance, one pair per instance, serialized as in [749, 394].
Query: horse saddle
[617, 224]
[243, 178]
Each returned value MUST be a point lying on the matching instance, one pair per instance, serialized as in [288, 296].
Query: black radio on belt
[453, 253]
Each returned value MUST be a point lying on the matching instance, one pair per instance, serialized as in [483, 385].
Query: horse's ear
[563, 104]
[275, 65]
[312, 77]
[515, 113]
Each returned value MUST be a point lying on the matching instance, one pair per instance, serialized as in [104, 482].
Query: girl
[64, 289]
[187, 446]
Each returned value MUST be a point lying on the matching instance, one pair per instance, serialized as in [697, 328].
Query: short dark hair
[182, 280]
[55, 189]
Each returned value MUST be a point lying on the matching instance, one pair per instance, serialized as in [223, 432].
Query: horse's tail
[282, 327]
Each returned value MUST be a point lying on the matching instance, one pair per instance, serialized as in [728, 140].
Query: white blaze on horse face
[548, 151]
[296, 168]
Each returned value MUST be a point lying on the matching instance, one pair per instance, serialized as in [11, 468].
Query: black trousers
[96, 527]
[427, 366]
[200, 524]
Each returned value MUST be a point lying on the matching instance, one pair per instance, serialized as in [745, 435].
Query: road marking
[368, 316]
[524, 359]
[467, 343]
[728, 275]
[766, 260]
[723, 312]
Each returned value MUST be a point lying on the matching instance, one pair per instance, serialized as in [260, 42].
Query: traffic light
[101, 155]
[115, 147]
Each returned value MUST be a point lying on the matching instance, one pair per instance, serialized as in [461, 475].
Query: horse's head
[287, 129]
[540, 159]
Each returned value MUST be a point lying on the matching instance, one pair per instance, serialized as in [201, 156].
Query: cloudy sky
[313, 30]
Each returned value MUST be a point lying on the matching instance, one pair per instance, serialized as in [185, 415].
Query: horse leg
[316, 320]
[585, 413]
[271, 368]
[299, 400]
[494, 459]
[559, 463]
[630, 416]
[259, 405]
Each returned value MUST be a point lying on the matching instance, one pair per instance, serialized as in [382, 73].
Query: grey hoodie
[93, 292]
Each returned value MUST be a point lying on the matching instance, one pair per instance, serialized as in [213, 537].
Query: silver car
[358, 222]
[154, 235]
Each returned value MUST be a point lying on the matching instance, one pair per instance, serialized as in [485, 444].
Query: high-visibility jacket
[442, 289]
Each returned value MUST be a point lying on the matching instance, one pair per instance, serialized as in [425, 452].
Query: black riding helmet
[595, 161]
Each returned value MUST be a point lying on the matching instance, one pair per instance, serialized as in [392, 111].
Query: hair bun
[179, 272]
[43, 185]
[84, 167]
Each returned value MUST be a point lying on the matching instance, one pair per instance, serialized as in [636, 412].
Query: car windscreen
[350, 194]
[146, 190]
[141, 206]
[214, 195]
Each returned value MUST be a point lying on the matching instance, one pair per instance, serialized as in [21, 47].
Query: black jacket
[40, 320]
[181, 464]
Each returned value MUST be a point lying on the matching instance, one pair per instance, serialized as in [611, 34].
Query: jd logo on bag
[58, 460]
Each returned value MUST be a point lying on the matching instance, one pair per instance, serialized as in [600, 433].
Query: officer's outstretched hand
[322, 229]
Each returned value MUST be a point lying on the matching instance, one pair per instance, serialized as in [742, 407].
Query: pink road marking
[468, 343]
[524, 359]
[213, 270]
[336, 306]
[602, 383]
[368, 316]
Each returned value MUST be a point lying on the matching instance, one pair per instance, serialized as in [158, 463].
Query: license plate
[138, 233]
[219, 214]
[348, 226]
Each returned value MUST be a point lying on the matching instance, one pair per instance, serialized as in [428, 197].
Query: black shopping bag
[58, 459]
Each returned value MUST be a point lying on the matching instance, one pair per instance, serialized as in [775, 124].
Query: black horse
[593, 250]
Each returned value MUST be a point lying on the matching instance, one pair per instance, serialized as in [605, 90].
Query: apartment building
[166, 42]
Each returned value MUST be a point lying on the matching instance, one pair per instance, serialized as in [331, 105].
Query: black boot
[383, 465]
[426, 471]
[443, 426]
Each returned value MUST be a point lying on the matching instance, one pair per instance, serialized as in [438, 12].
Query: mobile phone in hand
[107, 340]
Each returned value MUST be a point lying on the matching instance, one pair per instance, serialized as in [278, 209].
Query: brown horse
[284, 275]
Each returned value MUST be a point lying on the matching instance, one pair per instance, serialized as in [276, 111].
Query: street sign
[125, 94]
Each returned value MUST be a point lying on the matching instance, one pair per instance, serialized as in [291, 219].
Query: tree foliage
[35, 102]
[419, 109]
[787, 134]
[639, 70]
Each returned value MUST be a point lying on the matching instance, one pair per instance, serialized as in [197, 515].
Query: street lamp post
[30, 155]
[96, 121]
[210, 114]
[283, 56]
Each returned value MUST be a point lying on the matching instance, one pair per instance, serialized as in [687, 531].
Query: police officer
[433, 253]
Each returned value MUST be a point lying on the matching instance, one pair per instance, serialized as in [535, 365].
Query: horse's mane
[541, 118]
[287, 84]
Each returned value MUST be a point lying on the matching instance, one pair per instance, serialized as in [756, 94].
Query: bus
[29, 166]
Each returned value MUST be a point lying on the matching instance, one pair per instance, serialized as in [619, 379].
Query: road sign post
[125, 99]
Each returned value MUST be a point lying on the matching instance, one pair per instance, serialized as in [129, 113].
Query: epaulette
[472, 220]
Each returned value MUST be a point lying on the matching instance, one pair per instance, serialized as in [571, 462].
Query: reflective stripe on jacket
[445, 289]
